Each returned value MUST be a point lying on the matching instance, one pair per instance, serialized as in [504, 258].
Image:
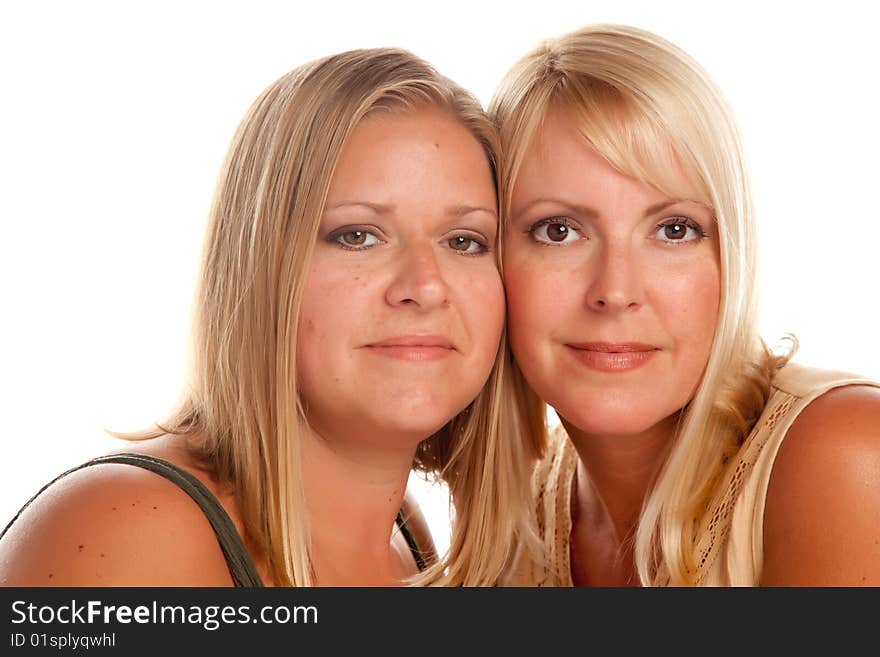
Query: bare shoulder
[822, 515]
[112, 525]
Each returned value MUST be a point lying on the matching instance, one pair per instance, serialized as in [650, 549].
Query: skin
[403, 250]
[118, 525]
[406, 240]
[617, 276]
[591, 257]
[823, 503]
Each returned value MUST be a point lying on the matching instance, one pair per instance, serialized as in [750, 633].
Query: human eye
[679, 230]
[554, 230]
[354, 238]
[466, 244]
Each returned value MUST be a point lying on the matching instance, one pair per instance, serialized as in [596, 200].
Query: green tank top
[241, 566]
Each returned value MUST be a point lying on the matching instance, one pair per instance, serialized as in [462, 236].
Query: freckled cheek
[480, 297]
[331, 302]
[311, 340]
[538, 299]
[535, 315]
[687, 303]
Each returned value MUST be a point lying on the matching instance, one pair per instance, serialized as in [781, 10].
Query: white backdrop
[115, 117]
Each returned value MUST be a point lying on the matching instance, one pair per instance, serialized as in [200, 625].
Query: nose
[419, 281]
[616, 280]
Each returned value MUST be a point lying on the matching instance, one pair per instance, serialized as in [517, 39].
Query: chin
[618, 417]
[614, 426]
[407, 432]
[424, 421]
[447, 399]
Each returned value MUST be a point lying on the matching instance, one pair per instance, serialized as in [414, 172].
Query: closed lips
[613, 348]
[612, 357]
[414, 348]
[416, 341]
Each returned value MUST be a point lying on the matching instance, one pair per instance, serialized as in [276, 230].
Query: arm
[822, 515]
[112, 525]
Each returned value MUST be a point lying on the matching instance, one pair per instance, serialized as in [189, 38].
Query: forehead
[570, 148]
[562, 164]
[419, 122]
[426, 132]
[424, 155]
[558, 134]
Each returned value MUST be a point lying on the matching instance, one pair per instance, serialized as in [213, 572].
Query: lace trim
[717, 528]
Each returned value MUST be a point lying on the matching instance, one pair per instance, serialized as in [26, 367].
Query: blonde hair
[652, 112]
[243, 402]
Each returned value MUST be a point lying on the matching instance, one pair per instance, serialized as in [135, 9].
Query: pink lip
[611, 356]
[413, 347]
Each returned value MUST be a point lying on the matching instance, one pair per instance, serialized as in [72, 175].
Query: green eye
[466, 245]
[354, 239]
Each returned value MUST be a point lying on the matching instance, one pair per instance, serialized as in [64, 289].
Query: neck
[616, 472]
[353, 494]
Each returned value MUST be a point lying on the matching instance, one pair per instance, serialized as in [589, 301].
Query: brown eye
[680, 230]
[354, 237]
[557, 232]
[675, 231]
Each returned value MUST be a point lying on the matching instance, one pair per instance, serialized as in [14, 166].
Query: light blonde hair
[653, 113]
[243, 402]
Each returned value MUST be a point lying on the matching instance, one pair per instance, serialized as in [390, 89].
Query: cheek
[332, 303]
[687, 302]
[311, 342]
[540, 297]
[481, 306]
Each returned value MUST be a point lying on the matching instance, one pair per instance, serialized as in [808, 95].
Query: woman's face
[404, 306]
[613, 288]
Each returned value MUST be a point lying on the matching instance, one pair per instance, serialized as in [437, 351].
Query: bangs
[634, 137]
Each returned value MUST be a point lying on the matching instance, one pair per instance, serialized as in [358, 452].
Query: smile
[413, 348]
[611, 357]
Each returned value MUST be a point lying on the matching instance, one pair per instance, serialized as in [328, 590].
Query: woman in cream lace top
[688, 452]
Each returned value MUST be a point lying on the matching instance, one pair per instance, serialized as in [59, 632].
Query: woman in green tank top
[348, 328]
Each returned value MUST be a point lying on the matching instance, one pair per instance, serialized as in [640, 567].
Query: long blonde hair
[652, 112]
[242, 401]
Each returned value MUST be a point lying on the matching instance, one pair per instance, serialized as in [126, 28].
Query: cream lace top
[730, 538]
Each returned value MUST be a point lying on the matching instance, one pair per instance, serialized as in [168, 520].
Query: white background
[115, 117]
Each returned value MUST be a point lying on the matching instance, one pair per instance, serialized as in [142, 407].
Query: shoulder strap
[241, 567]
[411, 541]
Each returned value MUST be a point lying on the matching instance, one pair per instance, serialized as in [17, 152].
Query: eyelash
[672, 221]
[336, 238]
[484, 248]
[562, 221]
[688, 223]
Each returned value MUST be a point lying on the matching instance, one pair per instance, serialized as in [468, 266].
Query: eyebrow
[462, 210]
[578, 209]
[378, 208]
[662, 205]
[586, 211]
